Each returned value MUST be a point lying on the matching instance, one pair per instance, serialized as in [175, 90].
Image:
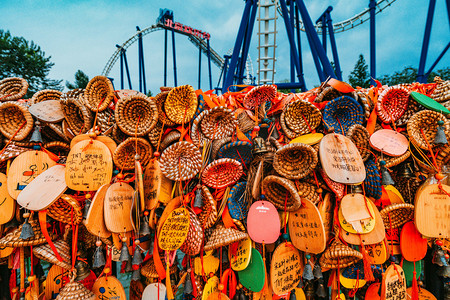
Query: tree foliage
[81, 81]
[360, 75]
[21, 58]
[409, 75]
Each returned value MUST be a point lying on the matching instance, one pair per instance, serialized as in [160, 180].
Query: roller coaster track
[354, 21]
[198, 42]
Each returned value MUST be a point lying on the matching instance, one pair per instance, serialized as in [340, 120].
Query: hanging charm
[98, 259]
[307, 271]
[198, 201]
[386, 178]
[124, 252]
[440, 137]
[27, 231]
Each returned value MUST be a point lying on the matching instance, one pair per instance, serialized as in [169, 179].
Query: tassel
[136, 275]
[317, 271]
[145, 228]
[320, 292]
[198, 201]
[292, 296]
[27, 231]
[124, 253]
[307, 271]
[169, 291]
[415, 287]
[368, 274]
[137, 257]
[188, 289]
[99, 258]
[386, 178]
[440, 137]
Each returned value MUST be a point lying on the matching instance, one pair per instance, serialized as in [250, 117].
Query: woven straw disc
[359, 135]
[392, 103]
[181, 161]
[154, 134]
[124, 155]
[222, 236]
[149, 270]
[12, 117]
[197, 136]
[171, 137]
[159, 101]
[78, 117]
[75, 290]
[277, 189]
[208, 215]
[218, 122]
[99, 93]
[136, 114]
[395, 215]
[105, 120]
[259, 94]
[295, 161]
[222, 172]
[118, 135]
[327, 94]
[302, 116]
[44, 252]
[13, 239]
[192, 244]
[339, 255]
[392, 161]
[181, 104]
[442, 91]
[288, 132]
[413, 107]
[45, 95]
[216, 145]
[73, 94]
[427, 121]
[57, 147]
[341, 113]
[66, 209]
[240, 151]
[366, 103]
[13, 88]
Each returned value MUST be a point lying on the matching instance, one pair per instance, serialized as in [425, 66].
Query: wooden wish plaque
[325, 208]
[45, 189]
[377, 254]
[340, 159]
[175, 229]
[389, 142]
[306, 228]
[154, 291]
[393, 284]
[95, 219]
[423, 294]
[7, 203]
[356, 215]
[263, 222]
[48, 111]
[254, 276]
[117, 204]
[156, 186]
[109, 142]
[240, 258]
[57, 277]
[412, 244]
[211, 286]
[25, 168]
[108, 288]
[286, 268]
[89, 166]
[432, 211]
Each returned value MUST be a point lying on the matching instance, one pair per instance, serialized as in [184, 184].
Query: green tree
[81, 81]
[360, 74]
[21, 58]
[409, 75]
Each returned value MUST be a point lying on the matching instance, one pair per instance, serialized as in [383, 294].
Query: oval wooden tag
[410, 236]
[372, 292]
[25, 168]
[152, 290]
[394, 283]
[173, 204]
[57, 277]
[175, 229]
[389, 142]
[341, 160]
[108, 288]
[308, 139]
[393, 194]
[350, 283]
[136, 290]
[49, 111]
[306, 228]
[109, 142]
[263, 222]
[7, 203]
[355, 216]
[157, 186]
[325, 208]
[117, 204]
[253, 277]
[393, 240]
[44, 189]
[423, 294]
[240, 259]
[95, 219]
[286, 268]
[377, 253]
[431, 211]
[210, 264]
[139, 185]
[210, 287]
[429, 103]
[89, 166]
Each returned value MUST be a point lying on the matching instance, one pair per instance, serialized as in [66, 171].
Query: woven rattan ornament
[44, 95]
[13, 88]
[426, 121]
[339, 255]
[258, 95]
[136, 114]
[160, 99]
[181, 161]
[16, 121]
[281, 192]
[392, 103]
[13, 239]
[239, 150]
[208, 215]
[341, 113]
[44, 252]
[359, 135]
[78, 117]
[66, 210]
[372, 183]
[216, 123]
[192, 244]
[441, 92]
[237, 206]
[75, 290]
[170, 138]
[181, 104]
[222, 236]
[295, 161]
[302, 117]
[126, 151]
[99, 93]
[222, 173]
[395, 215]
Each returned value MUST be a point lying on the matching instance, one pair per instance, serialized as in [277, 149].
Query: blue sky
[83, 34]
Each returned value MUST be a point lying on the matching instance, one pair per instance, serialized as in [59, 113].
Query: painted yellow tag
[241, 258]
[210, 287]
[7, 203]
[377, 253]
[174, 230]
[109, 288]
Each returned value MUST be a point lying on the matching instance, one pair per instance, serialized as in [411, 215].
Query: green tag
[253, 277]
[429, 103]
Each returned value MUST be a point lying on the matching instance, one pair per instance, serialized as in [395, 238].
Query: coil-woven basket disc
[124, 155]
[118, 135]
[181, 161]
[222, 236]
[392, 161]
[426, 120]
[295, 161]
[201, 105]
[302, 116]
[341, 113]
[397, 214]
[392, 103]
[45, 95]
[171, 137]
[413, 107]
[98, 93]
[159, 99]
[16, 121]
[136, 114]
[154, 134]
[181, 104]
[218, 123]
[442, 91]
[105, 120]
[236, 202]
[149, 270]
[13, 239]
[66, 209]
[339, 255]
[57, 147]
[44, 252]
[197, 136]
[372, 183]
[216, 145]
[73, 94]
[75, 290]
[222, 173]
[208, 215]
[13, 88]
[78, 117]
[359, 135]
[277, 189]
[288, 132]
[327, 94]
[240, 151]
[193, 243]
[259, 94]
[366, 103]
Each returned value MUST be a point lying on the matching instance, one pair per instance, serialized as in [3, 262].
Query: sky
[81, 35]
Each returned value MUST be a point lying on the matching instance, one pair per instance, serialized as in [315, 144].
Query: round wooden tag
[210, 264]
[389, 142]
[350, 283]
[393, 194]
[48, 111]
[175, 229]
[109, 142]
[408, 268]
[5, 252]
[25, 168]
[377, 253]
[57, 277]
[89, 166]
[152, 290]
[410, 236]
[7, 203]
[356, 215]
[308, 139]
[218, 296]
[44, 189]
[117, 205]
[286, 268]
[325, 208]
[394, 283]
[341, 160]
[95, 219]
[423, 294]
[210, 287]
[431, 211]
[136, 290]
[393, 240]
[157, 186]
[263, 222]
[306, 228]
[253, 277]
[429, 103]
[108, 288]
[372, 292]
[240, 257]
